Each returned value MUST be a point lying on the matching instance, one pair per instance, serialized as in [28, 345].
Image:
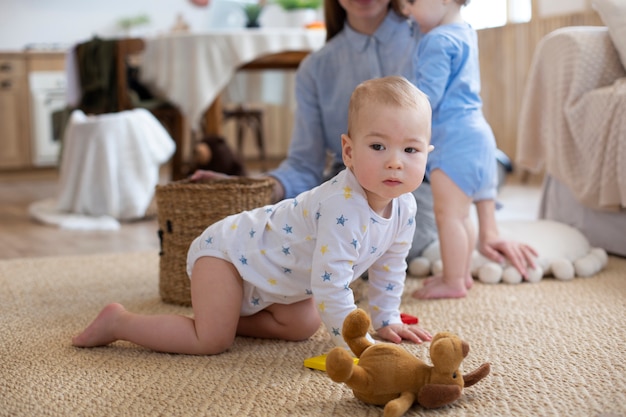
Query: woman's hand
[397, 332]
[201, 174]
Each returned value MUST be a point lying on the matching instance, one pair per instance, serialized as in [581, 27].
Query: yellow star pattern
[375, 308]
[386, 267]
[347, 192]
[262, 251]
[364, 227]
[321, 306]
[305, 213]
[233, 226]
[324, 249]
[272, 281]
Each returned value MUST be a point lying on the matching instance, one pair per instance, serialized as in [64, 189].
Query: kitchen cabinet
[16, 106]
[14, 112]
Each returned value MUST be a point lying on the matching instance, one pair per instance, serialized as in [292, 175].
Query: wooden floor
[21, 236]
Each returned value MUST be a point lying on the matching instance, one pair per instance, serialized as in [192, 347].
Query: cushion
[613, 14]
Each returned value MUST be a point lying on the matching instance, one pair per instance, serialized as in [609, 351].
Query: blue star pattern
[309, 246]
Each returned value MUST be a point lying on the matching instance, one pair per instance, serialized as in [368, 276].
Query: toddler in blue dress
[462, 167]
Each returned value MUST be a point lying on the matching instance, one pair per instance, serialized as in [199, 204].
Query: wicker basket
[185, 209]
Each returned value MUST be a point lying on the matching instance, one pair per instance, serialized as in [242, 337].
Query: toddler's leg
[295, 322]
[216, 293]
[455, 238]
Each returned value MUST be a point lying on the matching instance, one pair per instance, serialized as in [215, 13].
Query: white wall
[558, 7]
[67, 22]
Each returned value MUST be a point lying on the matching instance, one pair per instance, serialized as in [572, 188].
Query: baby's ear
[346, 150]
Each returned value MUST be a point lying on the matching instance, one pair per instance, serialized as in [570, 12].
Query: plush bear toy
[388, 375]
[213, 153]
[564, 253]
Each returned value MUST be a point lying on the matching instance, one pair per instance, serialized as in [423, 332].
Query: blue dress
[448, 71]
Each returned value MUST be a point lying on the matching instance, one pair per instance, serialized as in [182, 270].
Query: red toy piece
[408, 319]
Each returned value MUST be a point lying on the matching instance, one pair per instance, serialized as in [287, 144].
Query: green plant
[299, 4]
[253, 11]
[127, 23]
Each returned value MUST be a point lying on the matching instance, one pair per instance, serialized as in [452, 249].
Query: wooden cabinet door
[14, 116]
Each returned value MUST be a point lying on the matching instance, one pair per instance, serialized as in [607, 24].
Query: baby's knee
[306, 327]
[303, 320]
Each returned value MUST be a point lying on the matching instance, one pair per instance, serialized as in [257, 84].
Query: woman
[365, 39]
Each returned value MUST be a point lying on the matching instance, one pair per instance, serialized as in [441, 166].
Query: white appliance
[47, 91]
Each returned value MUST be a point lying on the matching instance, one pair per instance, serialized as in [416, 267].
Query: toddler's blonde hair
[395, 91]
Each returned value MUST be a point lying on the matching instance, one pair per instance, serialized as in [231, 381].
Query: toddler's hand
[397, 332]
[520, 255]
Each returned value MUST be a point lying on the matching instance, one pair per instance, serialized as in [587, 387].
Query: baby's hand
[397, 332]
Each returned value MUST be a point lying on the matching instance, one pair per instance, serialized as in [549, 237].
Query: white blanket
[573, 116]
[110, 163]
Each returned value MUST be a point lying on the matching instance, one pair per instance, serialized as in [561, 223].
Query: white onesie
[315, 245]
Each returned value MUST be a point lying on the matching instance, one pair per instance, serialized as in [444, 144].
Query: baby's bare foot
[100, 331]
[437, 288]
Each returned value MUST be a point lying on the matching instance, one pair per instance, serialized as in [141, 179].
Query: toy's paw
[354, 331]
[399, 406]
[339, 365]
[438, 395]
[476, 375]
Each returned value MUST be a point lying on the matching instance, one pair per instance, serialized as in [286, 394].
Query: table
[192, 69]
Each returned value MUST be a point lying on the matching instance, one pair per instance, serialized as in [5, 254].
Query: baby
[278, 270]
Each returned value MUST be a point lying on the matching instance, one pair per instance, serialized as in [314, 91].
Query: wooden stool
[253, 119]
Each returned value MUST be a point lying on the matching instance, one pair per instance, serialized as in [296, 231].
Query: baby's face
[387, 151]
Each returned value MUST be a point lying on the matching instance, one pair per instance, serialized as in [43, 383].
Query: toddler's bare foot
[437, 288]
[433, 279]
[469, 281]
[100, 331]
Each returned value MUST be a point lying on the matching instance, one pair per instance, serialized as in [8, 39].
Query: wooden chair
[110, 90]
[246, 117]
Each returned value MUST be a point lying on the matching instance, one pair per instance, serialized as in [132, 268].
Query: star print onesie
[315, 245]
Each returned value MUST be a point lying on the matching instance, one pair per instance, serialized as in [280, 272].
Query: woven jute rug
[556, 348]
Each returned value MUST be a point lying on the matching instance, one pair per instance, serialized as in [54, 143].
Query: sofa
[572, 128]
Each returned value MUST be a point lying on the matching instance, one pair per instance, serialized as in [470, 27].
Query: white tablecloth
[192, 69]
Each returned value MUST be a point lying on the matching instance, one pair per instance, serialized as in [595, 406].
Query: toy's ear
[202, 153]
[447, 351]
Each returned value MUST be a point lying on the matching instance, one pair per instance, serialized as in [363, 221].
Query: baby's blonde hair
[389, 91]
